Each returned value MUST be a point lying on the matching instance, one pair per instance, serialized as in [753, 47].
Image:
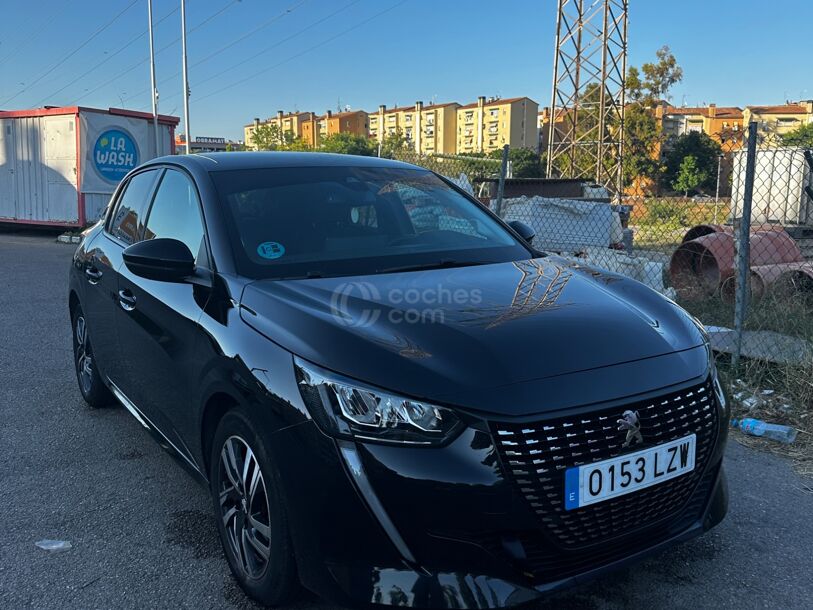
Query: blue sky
[317, 54]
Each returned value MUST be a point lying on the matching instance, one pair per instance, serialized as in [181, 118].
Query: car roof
[227, 161]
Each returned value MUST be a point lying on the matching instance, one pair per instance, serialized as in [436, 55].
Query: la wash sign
[115, 154]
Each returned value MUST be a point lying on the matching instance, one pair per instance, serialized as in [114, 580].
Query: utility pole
[152, 83]
[185, 80]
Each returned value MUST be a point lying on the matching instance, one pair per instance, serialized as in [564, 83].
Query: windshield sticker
[270, 249]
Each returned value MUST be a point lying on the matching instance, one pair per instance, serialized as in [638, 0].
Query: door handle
[127, 300]
[93, 275]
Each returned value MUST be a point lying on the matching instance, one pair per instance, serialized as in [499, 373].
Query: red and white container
[59, 166]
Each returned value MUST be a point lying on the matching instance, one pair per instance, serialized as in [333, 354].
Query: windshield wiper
[310, 275]
[441, 264]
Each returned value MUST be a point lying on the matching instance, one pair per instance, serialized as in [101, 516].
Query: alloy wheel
[244, 507]
[84, 355]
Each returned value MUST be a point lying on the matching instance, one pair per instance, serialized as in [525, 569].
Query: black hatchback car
[393, 398]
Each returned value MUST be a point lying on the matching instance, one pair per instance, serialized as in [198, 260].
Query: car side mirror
[524, 231]
[162, 259]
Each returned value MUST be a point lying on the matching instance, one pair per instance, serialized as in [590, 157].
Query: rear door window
[128, 220]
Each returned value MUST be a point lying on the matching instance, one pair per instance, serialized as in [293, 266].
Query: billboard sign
[115, 153]
[112, 145]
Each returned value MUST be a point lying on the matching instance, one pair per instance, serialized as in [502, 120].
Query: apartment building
[290, 122]
[722, 124]
[388, 121]
[427, 129]
[780, 119]
[316, 128]
[487, 125]
[439, 124]
[543, 125]
[446, 128]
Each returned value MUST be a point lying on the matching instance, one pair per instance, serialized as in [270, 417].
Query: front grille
[535, 456]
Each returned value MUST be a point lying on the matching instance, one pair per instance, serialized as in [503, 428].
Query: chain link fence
[475, 174]
[735, 249]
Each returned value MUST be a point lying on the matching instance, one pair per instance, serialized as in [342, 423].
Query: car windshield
[297, 222]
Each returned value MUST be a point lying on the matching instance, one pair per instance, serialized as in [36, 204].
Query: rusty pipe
[701, 230]
[701, 266]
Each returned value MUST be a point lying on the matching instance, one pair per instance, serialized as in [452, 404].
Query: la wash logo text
[115, 154]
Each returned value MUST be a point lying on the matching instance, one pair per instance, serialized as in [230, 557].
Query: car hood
[451, 332]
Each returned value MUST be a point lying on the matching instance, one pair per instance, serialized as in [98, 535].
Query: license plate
[591, 483]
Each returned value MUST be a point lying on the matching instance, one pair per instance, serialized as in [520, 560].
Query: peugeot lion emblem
[630, 423]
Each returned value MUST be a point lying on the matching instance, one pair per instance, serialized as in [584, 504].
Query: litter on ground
[54, 546]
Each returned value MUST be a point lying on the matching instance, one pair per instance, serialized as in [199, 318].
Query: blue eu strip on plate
[572, 488]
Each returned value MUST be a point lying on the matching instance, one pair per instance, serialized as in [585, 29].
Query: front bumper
[446, 527]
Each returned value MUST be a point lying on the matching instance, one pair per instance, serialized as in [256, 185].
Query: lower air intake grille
[535, 456]
[547, 564]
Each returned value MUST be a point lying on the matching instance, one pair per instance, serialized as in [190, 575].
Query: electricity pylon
[586, 128]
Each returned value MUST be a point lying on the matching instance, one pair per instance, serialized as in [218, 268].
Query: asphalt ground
[141, 529]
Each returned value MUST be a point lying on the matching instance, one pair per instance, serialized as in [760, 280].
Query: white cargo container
[59, 166]
[780, 178]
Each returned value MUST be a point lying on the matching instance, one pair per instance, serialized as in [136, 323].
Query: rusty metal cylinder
[701, 230]
[701, 266]
[783, 279]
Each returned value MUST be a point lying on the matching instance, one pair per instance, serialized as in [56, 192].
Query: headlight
[349, 409]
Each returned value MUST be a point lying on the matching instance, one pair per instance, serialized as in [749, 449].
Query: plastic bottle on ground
[757, 427]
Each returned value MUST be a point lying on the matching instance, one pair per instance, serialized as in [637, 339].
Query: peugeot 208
[392, 396]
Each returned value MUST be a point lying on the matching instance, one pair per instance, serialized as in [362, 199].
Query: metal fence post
[501, 183]
[717, 191]
[744, 244]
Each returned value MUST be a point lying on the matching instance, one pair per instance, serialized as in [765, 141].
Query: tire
[251, 525]
[93, 389]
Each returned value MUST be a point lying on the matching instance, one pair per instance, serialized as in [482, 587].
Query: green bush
[662, 211]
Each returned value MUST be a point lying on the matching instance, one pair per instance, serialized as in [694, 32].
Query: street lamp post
[185, 80]
[153, 88]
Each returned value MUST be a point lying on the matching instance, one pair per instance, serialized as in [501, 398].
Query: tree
[658, 78]
[801, 136]
[525, 162]
[269, 136]
[702, 148]
[392, 144]
[265, 136]
[298, 145]
[348, 144]
[689, 176]
[643, 133]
